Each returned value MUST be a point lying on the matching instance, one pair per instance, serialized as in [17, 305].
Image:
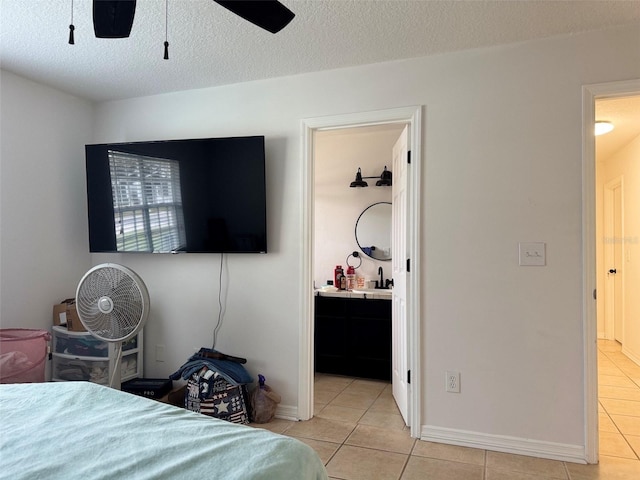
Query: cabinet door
[370, 332]
[331, 335]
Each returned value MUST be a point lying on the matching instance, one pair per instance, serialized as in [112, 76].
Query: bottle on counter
[338, 271]
[351, 278]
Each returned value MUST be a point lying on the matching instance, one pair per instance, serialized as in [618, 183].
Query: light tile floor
[360, 435]
[619, 402]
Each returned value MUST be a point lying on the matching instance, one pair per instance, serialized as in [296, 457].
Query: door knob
[613, 271]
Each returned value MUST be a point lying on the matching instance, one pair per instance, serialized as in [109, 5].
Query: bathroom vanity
[353, 334]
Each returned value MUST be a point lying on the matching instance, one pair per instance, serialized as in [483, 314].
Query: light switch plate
[532, 253]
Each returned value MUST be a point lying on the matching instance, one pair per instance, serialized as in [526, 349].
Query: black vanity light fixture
[359, 182]
[384, 180]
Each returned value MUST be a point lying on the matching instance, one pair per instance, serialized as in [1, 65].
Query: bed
[67, 430]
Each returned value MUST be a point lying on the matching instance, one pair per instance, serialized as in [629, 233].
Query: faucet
[381, 284]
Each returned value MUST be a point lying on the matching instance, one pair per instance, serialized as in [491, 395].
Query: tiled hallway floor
[359, 434]
[619, 402]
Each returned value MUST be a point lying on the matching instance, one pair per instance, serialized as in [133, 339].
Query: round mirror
[373, 231]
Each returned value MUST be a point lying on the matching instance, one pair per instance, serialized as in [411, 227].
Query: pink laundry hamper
[23, 355]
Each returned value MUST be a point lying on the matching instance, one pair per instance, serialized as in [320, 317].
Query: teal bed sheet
[81, 430]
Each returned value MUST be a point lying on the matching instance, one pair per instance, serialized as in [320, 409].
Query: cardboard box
[64, 313]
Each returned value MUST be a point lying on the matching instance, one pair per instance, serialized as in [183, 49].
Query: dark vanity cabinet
[353, 337]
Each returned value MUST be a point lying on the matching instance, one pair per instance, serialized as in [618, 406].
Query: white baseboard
[503, 443]
[631, 355]
[287, 412]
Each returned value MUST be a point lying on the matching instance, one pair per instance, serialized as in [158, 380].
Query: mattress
[83, 430]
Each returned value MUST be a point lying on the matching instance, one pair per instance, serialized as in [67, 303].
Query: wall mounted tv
[199, 195]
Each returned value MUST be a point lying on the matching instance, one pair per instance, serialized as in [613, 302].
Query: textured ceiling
[624, 113]
[210, 46]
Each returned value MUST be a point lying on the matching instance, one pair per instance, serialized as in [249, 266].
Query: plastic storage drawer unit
[74, 369]
[71, 343]
[80, 356]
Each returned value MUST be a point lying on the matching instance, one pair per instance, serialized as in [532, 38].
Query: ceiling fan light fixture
[603, 127]
[359, 182]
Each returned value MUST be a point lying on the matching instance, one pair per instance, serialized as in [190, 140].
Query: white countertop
[370, 294]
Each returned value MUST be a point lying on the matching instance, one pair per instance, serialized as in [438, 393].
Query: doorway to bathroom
[347, 202]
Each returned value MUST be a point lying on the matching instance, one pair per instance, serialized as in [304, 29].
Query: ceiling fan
[114, 18]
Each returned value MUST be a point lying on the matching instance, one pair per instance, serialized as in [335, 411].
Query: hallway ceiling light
[603, 127]
[384, 180]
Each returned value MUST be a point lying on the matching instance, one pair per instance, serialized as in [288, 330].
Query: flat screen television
[199, 195]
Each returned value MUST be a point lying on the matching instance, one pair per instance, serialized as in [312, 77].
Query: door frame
[411, 115]
[591, 93]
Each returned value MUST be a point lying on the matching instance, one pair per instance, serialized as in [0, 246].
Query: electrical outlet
[452, 382]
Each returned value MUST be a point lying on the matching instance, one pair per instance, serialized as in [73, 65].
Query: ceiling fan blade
[113, 18]
[271, 15]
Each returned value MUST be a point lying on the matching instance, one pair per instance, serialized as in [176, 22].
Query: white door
[400, 249]
[617, 264]
[613, 261]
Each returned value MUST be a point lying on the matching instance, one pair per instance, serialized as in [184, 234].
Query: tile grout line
[484, 465]
[406, 462]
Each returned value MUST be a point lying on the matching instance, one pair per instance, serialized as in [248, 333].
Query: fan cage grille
[127, 294]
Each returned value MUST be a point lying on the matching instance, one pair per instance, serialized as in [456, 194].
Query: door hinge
[408, 376]
[595, 294]
[408, 156]
[408, 264]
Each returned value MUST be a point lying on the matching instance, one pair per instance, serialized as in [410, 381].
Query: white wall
[44, 247]
[496, 172]
[626, 164]
[337, 156]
